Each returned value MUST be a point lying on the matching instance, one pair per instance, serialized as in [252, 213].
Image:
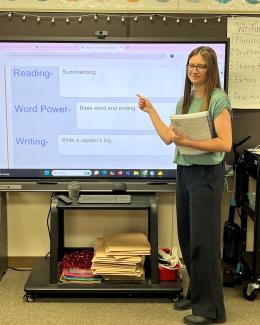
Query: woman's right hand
[161, 128]
[144, 104]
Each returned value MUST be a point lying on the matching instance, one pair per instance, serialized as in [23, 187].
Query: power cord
[172, 220]
[20, 270]
[48, 216]
[227, 186]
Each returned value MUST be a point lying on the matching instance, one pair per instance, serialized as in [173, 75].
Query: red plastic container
[167, 275]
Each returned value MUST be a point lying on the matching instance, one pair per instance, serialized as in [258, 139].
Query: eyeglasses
[199, 67]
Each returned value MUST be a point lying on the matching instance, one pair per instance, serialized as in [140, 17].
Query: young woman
[199, 187]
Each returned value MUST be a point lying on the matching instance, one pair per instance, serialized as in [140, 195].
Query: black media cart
[249, 166]
[44, 278]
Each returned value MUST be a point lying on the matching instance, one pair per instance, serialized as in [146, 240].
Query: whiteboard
[244, 62]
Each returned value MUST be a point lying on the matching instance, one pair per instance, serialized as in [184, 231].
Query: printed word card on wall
[244, 62]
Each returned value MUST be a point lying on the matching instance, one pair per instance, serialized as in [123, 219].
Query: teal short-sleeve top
[218, 102]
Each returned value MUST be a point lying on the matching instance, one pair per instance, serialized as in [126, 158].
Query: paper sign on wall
[244, 62]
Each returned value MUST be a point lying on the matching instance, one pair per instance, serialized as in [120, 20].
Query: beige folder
[129, 243]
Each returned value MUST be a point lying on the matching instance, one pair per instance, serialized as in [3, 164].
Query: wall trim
[22, 261]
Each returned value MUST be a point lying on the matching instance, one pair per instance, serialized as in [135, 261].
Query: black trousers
[199, 192]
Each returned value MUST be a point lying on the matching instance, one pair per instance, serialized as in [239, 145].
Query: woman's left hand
[178, 137]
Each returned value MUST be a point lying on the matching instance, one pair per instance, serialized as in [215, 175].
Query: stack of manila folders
[120, 256]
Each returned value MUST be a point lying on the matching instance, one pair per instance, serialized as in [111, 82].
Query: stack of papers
[255, 150]
[120, 256]
[196, 126]
[75, 267]
[79, 276]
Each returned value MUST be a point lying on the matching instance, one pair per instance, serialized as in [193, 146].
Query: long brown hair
[210, 58]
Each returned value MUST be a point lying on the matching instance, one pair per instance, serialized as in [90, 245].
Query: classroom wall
[27, 212]
[28, 232]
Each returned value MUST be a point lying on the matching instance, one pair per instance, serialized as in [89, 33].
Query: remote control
[64, 199]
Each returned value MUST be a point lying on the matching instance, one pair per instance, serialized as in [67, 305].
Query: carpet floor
[108, 311]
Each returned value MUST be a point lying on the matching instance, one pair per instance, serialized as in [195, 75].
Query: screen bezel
[21, 183]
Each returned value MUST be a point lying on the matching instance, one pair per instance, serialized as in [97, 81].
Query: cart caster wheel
[28, 297]
[176, 298]
[250, 297]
